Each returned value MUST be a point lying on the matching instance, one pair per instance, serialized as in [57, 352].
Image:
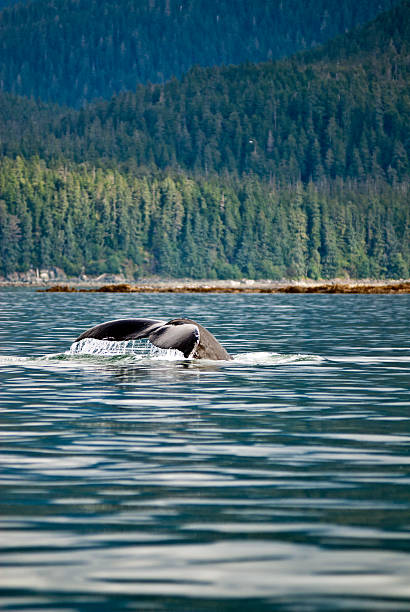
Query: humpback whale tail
[186, 335]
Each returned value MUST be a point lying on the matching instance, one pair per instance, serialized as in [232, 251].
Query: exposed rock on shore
[366, 287]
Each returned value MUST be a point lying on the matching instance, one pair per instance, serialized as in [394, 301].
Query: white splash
[166, 354]
[91, 346]
[137, 348]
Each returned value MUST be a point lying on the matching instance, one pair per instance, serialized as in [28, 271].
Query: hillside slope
[340, 111]
[70, 51]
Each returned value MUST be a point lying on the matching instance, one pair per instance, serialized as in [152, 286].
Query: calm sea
[278, 481]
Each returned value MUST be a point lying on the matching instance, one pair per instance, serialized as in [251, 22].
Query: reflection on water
[279, 480]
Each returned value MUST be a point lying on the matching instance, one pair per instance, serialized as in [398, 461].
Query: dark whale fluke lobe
[185, 335]
[122, 329]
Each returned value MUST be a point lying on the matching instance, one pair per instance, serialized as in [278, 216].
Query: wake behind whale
[133, 352]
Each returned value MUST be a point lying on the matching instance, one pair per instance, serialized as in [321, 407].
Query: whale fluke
[186, 335]
[122, 329]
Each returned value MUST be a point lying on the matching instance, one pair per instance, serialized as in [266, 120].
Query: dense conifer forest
[293, 168]
[93, 220]
[70, 51]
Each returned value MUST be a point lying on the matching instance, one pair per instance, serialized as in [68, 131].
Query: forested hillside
[292, 168]
[341, 111]
[71, 51]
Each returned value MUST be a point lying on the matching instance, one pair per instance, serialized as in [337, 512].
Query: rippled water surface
[138, 481]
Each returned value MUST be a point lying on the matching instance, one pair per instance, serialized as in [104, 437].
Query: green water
[277, 481]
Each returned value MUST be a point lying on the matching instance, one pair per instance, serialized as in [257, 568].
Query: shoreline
[245, 286]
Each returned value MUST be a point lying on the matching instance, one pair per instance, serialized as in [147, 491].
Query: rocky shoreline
[54, 280]
[246, 286]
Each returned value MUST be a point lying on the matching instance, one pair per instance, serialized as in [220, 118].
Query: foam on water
[265, 358]
[98, 352]
[142, 348]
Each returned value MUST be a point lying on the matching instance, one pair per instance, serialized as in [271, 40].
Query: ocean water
[136, 480]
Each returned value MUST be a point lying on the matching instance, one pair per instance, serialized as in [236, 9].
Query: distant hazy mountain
[339, 111]
[70, 51]
[4, 3]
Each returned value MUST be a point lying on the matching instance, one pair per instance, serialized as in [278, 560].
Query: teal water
[277, 481]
